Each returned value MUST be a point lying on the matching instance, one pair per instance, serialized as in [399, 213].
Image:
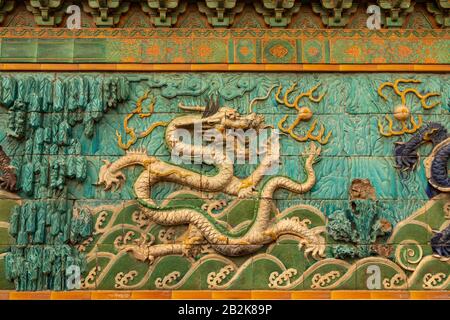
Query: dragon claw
[271, 234]
[246, 192]
[112, 180]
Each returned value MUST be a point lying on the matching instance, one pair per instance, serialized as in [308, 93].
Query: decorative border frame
[195, 50]
[217, 67]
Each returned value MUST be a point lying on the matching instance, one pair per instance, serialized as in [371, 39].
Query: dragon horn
[211, 107]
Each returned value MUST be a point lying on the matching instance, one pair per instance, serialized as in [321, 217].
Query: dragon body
[203, 228]
[436, 171]
[407, 158]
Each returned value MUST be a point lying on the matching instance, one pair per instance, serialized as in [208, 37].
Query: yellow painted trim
[225, 294]
[438, 68]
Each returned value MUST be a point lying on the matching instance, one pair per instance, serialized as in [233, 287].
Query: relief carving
[98, 165]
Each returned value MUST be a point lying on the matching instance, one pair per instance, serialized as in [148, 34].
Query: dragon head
[221, 118]
[433, 132]
[229, 118]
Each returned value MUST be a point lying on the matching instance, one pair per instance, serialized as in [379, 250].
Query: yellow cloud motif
[402, 112]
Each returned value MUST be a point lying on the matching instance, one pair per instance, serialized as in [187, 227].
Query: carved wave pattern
[275, 267]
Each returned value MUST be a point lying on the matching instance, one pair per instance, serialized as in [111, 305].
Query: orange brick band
[438, 68]
[207, 295]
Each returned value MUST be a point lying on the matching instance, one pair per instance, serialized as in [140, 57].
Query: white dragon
[203, 228]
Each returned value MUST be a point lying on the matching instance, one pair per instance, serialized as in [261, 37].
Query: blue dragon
[436, 170]
[407, 158]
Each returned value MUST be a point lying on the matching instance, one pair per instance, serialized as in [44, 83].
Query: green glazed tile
[55, 50]
[90, 50]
